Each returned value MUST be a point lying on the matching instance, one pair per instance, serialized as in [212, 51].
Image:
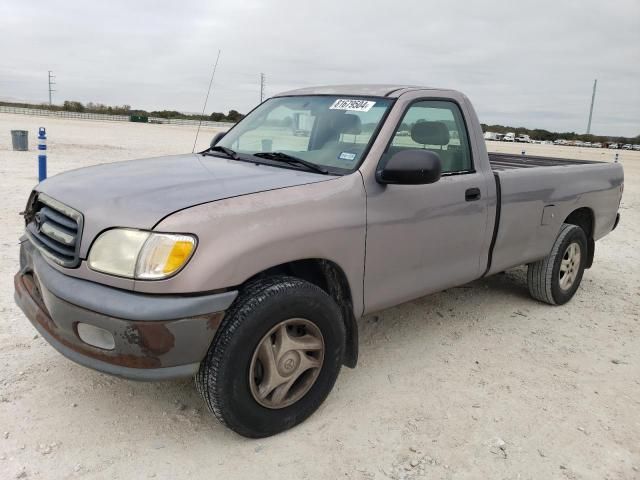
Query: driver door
[425, 238]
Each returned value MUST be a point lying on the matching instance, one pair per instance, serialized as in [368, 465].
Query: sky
[525, 63]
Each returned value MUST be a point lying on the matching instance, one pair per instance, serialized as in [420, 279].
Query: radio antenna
[204, 107]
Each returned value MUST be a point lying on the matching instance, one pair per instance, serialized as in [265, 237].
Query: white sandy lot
[475, 382]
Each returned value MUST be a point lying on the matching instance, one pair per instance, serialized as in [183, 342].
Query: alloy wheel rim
[569, 266]
[286, 363]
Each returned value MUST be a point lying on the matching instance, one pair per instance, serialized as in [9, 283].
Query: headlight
[139, 254]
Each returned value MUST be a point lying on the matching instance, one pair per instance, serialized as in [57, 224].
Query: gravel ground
[475, 382]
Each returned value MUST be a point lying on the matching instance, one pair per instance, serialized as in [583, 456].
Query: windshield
[333, 132]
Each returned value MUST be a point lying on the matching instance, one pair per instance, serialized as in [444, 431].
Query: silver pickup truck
[248, 264]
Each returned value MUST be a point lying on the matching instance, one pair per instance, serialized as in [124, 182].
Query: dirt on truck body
[247, 265]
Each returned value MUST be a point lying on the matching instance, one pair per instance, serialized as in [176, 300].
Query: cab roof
[372, 90]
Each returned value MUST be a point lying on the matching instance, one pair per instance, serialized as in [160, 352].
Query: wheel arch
[331, 278]
[584, 218]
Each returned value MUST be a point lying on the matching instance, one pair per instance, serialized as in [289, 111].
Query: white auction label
[352, 104]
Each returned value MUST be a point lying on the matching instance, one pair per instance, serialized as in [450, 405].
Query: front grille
[54, 229]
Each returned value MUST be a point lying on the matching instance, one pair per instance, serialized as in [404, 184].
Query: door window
[437, 126]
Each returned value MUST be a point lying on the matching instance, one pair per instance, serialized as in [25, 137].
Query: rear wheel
[275, 358]
[555, 278]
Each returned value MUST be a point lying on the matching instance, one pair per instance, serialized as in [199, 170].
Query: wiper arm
[290, 159]
[227, 151]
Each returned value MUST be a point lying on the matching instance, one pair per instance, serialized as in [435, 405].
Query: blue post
[42, 154]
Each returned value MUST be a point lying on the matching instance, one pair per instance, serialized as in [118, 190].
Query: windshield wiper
[290, 159]
[227, 151]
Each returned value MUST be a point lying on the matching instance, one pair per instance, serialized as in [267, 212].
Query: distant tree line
[540, 134]
[74, 106]
[235, 116]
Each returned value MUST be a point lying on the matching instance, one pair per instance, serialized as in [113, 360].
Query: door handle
[472, 194]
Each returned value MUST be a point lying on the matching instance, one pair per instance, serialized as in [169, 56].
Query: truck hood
[140, 193]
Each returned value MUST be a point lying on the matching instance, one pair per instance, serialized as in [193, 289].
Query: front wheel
[556, 277]
[275, 358]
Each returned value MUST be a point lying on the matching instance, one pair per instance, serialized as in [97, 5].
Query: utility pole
[51, 84]
[262, 85]
[593, 99]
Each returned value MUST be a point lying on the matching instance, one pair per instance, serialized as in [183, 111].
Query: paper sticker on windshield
[352, 105]
[347, 156]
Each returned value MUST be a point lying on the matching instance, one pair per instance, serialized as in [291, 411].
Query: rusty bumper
[143, 348]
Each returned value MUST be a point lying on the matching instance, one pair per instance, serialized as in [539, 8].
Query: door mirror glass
[411, 167]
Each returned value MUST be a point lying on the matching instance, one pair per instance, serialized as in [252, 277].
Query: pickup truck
[248, 264]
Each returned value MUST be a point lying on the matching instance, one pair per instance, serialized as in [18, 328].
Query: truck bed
[509, 161]
[534, 202]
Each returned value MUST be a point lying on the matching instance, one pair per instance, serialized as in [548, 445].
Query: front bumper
[155, 337]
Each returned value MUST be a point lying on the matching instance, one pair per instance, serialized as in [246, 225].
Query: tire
[262, 306]
[546, 279]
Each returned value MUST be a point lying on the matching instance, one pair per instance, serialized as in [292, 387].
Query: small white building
[493, 136]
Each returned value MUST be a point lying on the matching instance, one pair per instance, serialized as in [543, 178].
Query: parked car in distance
[627, 146]
[247, 265]
[596, 145]
[613, 146]
[523, 139]
[509, 137]
[636, 147]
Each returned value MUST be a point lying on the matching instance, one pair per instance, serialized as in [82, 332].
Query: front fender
[242, 236]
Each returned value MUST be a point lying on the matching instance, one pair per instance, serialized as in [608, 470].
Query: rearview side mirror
[411, 167]
[216, 138]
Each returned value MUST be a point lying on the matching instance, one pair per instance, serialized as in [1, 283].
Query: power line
[263, 83]
[593, 99]
[51, 84]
